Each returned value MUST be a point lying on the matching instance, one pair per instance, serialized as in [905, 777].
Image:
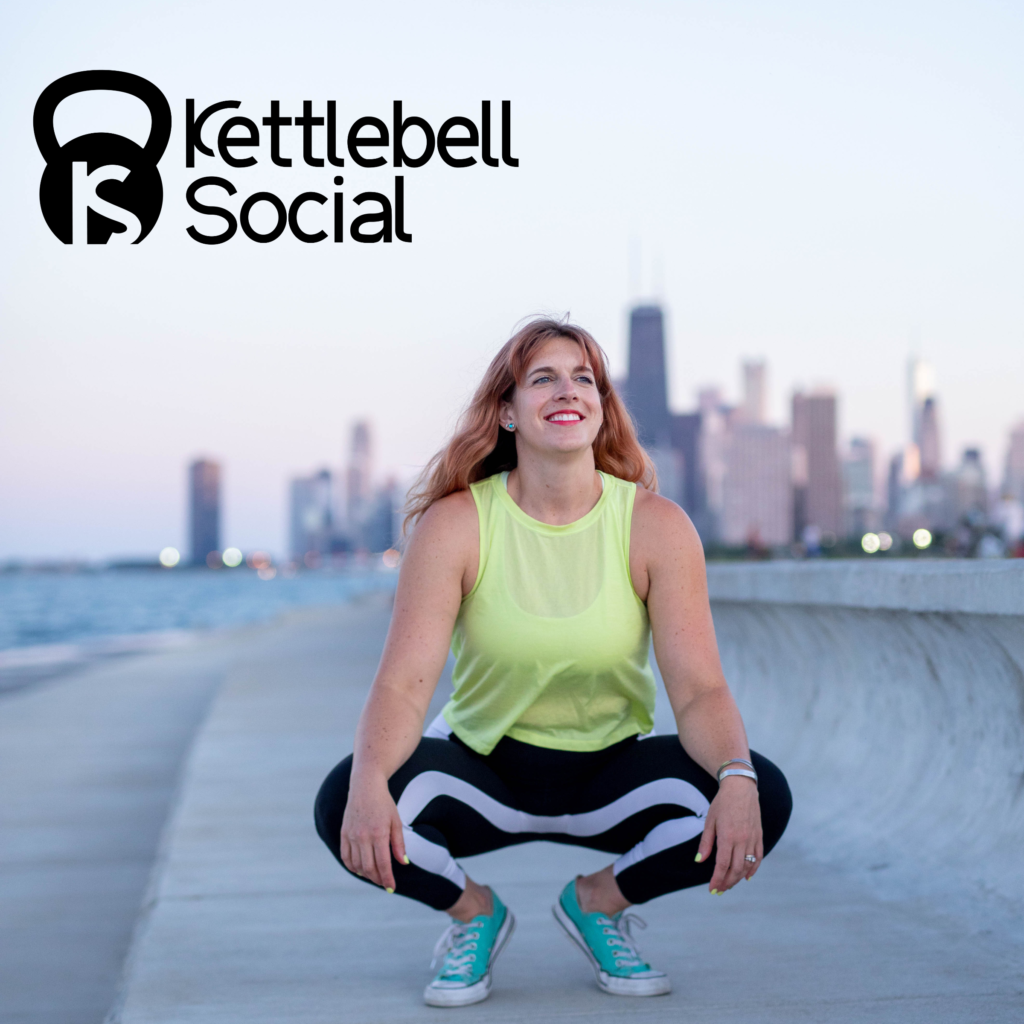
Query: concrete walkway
[89, 764]
[253, 921]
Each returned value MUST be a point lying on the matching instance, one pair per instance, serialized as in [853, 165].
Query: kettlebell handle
[114, 81]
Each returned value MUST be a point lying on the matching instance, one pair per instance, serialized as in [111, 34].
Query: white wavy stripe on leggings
[662, 837]
[428, 786]
[431, 857]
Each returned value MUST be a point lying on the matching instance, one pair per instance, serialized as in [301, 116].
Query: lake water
[45, 608]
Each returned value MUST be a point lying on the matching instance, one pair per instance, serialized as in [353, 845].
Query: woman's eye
[585, 380]
[544, 379]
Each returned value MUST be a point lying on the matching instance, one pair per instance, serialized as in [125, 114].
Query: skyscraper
[1013, 478]
[920, 386]
[918, 493]
[894, 491]
[968, 488]
[757, 493]
[647, 387]
[755, 392]
[204, 510]
[359, 497]
[928, 440]
[814, 436]
[685, 438]
[359, 474]
[859, 497]
[714, 434]
[379, 530]
[311, 531]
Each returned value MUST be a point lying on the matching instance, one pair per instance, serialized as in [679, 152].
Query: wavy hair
[480, 448]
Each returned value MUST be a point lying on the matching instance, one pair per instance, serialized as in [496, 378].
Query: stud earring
[511, 426]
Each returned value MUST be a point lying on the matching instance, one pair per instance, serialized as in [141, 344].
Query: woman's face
[557, 407]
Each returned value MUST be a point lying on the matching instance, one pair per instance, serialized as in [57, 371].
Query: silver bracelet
[737, 771]
[734, 760]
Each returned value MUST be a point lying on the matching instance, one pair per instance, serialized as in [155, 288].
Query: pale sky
[827, 186]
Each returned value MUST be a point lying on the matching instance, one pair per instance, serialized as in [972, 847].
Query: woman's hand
[734, 820]
[370, 830]
[440, 565]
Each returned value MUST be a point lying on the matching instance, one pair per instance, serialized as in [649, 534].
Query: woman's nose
[566, 388]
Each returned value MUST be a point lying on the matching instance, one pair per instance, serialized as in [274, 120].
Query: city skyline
[761, 487]
[831, 190]
[745, 482]
[769, 457]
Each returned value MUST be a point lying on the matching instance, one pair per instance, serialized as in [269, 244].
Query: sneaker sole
[482, 989]
[605, 981]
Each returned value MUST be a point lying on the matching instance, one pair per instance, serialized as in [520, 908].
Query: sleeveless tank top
[551, 644]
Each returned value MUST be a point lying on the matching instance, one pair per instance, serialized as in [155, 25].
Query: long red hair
[480, 448]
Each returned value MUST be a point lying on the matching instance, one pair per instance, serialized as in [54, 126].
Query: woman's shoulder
[660, 524]
[454, 512]
[444, 543]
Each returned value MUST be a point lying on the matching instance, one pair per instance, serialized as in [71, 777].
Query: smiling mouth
[564, 417]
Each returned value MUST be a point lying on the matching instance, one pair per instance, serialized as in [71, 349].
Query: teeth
[564, 417]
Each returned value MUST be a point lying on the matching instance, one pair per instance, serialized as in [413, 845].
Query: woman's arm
[439, 566]
[667, 566]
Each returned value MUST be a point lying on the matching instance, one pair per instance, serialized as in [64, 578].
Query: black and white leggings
[643, 799]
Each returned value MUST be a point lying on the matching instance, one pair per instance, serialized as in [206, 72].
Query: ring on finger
[750, 858]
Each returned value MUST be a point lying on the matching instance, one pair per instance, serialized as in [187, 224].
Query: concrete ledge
[893, 695]
[916, 585]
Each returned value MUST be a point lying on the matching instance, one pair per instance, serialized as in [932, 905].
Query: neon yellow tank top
[551, 644]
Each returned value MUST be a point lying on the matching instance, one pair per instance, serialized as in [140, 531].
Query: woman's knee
[329, 808]
[775, 797]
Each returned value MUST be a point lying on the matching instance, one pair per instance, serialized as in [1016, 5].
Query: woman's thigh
[653, 802]
[446, 788]
[652, 781]
[451, 804]
[655, 780]
[443, 789]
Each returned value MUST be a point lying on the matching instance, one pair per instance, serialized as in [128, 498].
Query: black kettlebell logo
[101, 184]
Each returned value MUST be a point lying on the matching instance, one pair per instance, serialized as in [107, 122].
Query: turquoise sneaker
[469, 952]
[608, 945]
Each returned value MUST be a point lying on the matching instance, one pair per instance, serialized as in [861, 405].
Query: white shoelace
[457, 946]
[622, 941]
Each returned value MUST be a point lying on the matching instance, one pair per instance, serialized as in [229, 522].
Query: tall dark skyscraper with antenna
[673, 440]
[647, 388]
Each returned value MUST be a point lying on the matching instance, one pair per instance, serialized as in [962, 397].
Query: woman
[538, 557]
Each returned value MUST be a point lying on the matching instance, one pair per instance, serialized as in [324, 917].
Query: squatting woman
[544, 557]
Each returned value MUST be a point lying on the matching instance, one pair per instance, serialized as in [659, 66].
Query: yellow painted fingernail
[699, 857]
[389, 889]
[405, 859]
[714, 892]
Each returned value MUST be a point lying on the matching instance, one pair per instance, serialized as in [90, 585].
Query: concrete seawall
[893, 694]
